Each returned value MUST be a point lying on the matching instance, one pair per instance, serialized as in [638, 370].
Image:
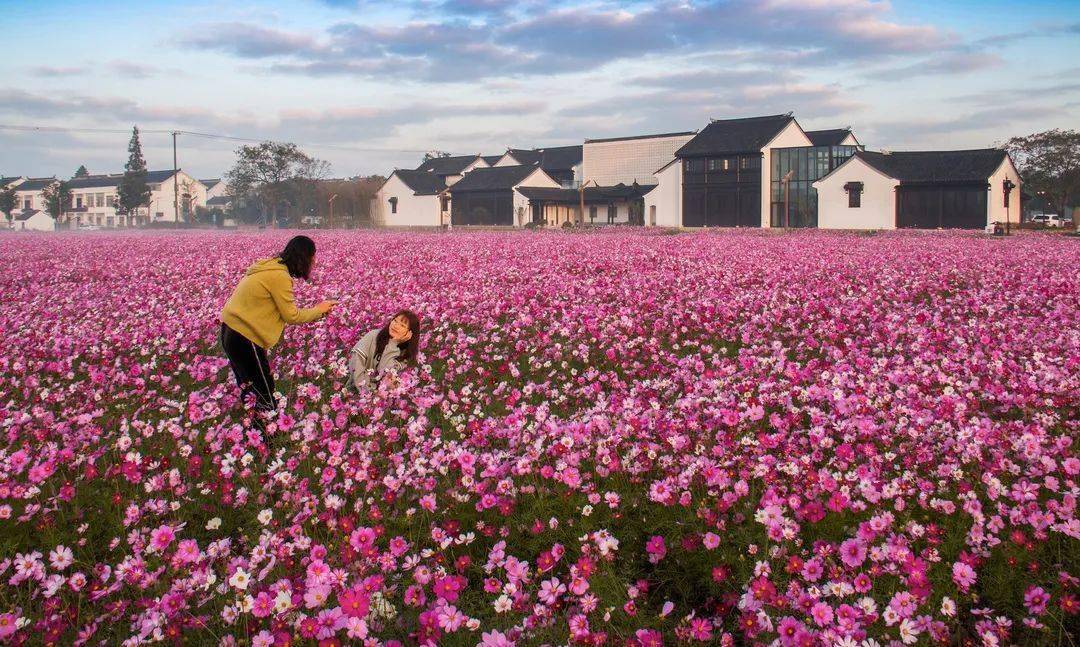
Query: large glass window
[806, 165]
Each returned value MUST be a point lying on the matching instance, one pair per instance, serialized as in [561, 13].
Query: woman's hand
[325, 307]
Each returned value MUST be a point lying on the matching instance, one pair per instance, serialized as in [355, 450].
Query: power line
[66, 129]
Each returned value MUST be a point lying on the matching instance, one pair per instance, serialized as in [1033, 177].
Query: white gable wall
[996, 211]
[522, 211]
[791, 136]
[412, 210]
[666, 199]
[878, 208]
[40, 221]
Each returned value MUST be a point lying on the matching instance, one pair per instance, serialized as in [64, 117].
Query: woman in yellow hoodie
[257, 312]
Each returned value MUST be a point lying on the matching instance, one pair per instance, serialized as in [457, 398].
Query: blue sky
[367, 84]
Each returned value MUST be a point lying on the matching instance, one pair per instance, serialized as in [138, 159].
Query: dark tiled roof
[631, 137]
[447, 165]
[35, 184]
[493, 179]
[4, 181]
[735, 135]
[113, 179]
[491, 159]
[525, 156]
[211, 183]
[831, 137]
[27, 214]
[592, 193]
[422, 182]
[937, 167]
[560, 158]
[219, 201]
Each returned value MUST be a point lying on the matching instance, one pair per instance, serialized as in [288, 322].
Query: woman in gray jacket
[391, 347]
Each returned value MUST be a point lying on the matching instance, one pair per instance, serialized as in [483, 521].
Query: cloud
[1039, 31]
[489, 38]
[937, 132]
[58, 72]
[133, 70]
[955, 63]
[248, 41]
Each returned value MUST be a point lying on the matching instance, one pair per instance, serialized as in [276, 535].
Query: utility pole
[332, 198]
[176, 181]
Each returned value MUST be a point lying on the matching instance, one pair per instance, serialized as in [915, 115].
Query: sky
[369, 86]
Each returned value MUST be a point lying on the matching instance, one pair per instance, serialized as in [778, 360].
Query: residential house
[94, 199]
[617, 174]
[451, 169]
[964, 189]
[496, 196]
[33, 220]
[217, 195]
[28, 193]
[412, 198]
[748, 172]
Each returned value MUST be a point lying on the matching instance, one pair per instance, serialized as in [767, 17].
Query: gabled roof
[447, 165]
[747, 135]
[491, 159]
[493, 179]
[830, 137]
[35, 184]
[27, 214]
[421, 182]
[219, 201]
[211, 183]
[560, 158]
[4, 181]
[937, 167]
[524, 156]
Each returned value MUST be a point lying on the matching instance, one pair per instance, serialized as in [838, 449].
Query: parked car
[1049, 220]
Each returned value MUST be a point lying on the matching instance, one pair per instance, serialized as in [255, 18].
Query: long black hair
[297, 255]
[407, 349]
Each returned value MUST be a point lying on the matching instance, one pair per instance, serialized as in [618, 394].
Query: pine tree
[81, 171]
[133, 191]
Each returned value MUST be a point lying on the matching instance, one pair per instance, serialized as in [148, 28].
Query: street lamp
[332, 198]
[786, 181]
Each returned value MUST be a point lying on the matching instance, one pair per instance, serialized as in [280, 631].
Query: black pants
[250, 367]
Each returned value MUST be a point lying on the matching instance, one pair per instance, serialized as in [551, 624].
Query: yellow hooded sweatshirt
[262, 304]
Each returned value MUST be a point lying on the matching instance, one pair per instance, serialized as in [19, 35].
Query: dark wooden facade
[722, 191]
[941, 207]
[483, 207]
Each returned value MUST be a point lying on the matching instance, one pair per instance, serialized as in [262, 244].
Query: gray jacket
[362, 366]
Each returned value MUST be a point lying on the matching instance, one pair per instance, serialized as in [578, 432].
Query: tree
[430, 155]
[8, 200]
[276, 174]
[81, 171]
[57, 195]
[133, 190]
[1049, 162]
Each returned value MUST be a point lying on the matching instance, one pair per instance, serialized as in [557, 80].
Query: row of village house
[94, 199]
[752, 172]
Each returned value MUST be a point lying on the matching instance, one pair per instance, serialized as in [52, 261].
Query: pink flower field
[617, 438]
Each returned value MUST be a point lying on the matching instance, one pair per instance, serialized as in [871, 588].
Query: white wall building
[35, 220]
[626, 160]
[94, 198]
[411, 198]
[967, 189]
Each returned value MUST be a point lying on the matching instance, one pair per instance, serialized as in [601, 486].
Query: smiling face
[399, 329]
